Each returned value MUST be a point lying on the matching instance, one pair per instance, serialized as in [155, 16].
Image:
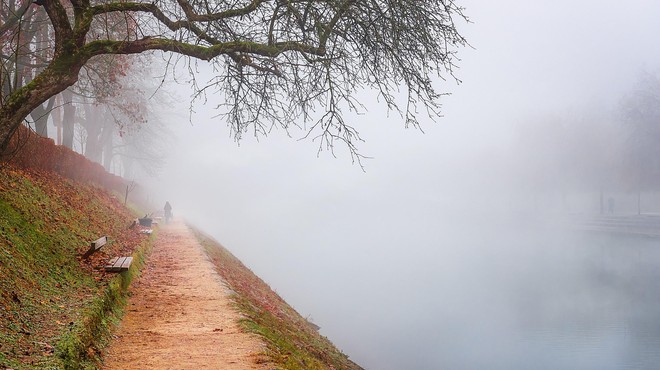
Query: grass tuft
[291, 340]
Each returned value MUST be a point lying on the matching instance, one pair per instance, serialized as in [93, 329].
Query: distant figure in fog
[168, 212]
[610, 205]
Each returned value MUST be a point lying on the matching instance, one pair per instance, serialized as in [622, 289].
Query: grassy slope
[292, 342]
[55, 307]
[53, 303]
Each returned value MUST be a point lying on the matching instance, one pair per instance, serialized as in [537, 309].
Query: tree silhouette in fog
[640, 111]
[276, 61]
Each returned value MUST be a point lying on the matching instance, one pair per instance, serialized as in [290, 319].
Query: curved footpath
[179, 314]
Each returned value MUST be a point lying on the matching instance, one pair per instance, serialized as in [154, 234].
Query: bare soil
[179, 314]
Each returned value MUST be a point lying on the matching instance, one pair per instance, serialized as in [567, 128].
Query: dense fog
[447, 249]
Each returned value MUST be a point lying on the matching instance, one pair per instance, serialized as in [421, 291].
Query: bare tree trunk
[93, 127]
[15, 15]
[128, 164]
[25, 99]
[57, 119]
[61, 73]
[40, 116]
[108, 147]
[5, 82]
[68, 119]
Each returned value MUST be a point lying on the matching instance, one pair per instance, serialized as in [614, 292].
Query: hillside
[56, 305]
[58, 310]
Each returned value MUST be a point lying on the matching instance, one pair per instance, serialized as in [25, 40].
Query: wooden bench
[96, 245]
[119, 264]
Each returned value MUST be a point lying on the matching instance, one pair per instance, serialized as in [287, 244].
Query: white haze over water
[423, 261]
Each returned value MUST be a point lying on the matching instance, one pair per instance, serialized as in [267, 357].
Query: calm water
[484, 298]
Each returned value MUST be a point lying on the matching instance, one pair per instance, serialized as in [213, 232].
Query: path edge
[82, 346]
[292, 342]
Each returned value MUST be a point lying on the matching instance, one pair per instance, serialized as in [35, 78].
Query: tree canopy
[277, 61]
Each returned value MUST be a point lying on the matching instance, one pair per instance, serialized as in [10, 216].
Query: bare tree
[25, 34]
[277, 60]
[100, 97]
[640, 113]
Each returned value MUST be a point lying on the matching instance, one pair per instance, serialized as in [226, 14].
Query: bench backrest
[96, 245]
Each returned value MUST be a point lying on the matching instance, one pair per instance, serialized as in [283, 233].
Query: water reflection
[604, 316]
[530, 299]
[576, 302]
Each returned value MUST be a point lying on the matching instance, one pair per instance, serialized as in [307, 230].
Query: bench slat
[119, 264]
[127, 263]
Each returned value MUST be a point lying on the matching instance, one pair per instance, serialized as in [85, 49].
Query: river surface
[446, 296]
[401, 283]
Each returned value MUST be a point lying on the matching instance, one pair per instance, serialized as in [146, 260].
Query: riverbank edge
[293, 343]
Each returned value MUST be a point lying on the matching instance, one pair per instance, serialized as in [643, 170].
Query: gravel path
[179, 315]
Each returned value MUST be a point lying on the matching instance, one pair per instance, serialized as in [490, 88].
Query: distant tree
[142, 149]
[593, 157]
[11, 12]
[68, 118]
[99, 93]
[276, 60]
[142, 137]
[640, 112]
[116, 101]
[579, 153]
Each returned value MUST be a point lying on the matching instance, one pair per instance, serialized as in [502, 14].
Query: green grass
[55, 306]
[57, 309]
[80, 348]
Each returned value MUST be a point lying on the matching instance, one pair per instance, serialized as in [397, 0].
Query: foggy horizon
[430, 254]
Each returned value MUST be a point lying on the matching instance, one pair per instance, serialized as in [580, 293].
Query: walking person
[168, 212]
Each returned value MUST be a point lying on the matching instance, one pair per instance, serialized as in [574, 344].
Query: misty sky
[308, 224]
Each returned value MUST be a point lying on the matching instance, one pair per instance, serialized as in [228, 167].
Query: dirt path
[179, 315]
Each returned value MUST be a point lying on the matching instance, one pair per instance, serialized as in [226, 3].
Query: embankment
[292, 341]
[58, 309]
[56, 306]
